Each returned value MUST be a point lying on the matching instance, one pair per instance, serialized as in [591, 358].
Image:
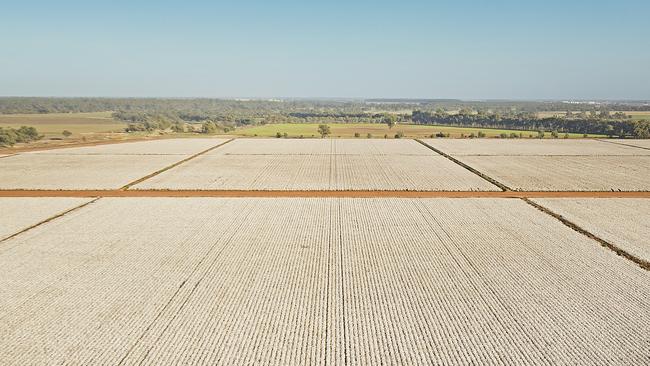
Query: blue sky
[410, 49]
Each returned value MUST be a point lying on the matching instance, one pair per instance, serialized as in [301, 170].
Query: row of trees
[604, 126]
[11, 136]
[148, 114]
[199, 109]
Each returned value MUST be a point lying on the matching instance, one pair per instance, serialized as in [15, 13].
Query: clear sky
[412, 49]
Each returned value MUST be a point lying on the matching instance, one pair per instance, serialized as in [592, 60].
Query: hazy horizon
[326, 98]
[470, 50]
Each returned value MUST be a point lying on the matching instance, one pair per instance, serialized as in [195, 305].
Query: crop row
[566, 173]
[527, 147]
[154, 147]
[18, 214]
[322, 147]
[203, 281]
[623, 222]
[319, 172]
[554, 165]
[483, 282]
[43, 171]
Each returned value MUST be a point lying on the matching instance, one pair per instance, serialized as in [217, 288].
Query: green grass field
[376, 130]
[639, 115]
[81, 124]
[53, 124]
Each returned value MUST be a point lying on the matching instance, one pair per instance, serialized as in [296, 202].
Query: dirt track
[64, 145]
[351, 194]
[23, 148]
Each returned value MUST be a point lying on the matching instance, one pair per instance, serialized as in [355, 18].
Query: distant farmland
[53, 124]
[378, 130]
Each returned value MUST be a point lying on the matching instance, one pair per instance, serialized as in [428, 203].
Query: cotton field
[20, 213]
[319, 172]
[48, 171]
[267, 164]
[555, 165]
[149, 253]
[623, 222]
[322, 147]
[316, 281]
[535, 147]
[639, 143]
[566, 173]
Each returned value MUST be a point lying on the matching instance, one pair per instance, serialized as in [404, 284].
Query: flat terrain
[18, 214]
[268, 164]
[622, 222]
[181, 193]
[53, 124]
[500, 147]
[86, 129]
[317, 281]
[153, 147]
[323, 147]
[566, 173]
[560, 165]
[377, 130]
[43, 171]
[96, 167]
[638, 115]
[326, 252]
[336, 165]
[639, 143]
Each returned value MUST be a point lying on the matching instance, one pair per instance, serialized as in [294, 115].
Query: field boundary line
[51, 218]
[328, 284]
[181, 306]
[619, 251]
[143, 193]
[342, 279]
[24, 149]
[8, 155]
[623, 144]
[480, 174]
[173, 165]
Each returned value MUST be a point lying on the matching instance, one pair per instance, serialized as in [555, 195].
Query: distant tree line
[210, 115]
[200, 108]
[597, 125]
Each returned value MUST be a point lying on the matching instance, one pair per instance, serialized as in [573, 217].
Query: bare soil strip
[48, 219]
[321, 194]
[28, 148]
[639, 261]
[624, 144]
[173, 165]
[489, 179]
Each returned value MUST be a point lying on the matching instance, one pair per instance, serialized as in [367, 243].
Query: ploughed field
[324, 280]
[279, 164]
[336, 164]
[317, 281]
[96, 167]
[625, 221]
[556, 165]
